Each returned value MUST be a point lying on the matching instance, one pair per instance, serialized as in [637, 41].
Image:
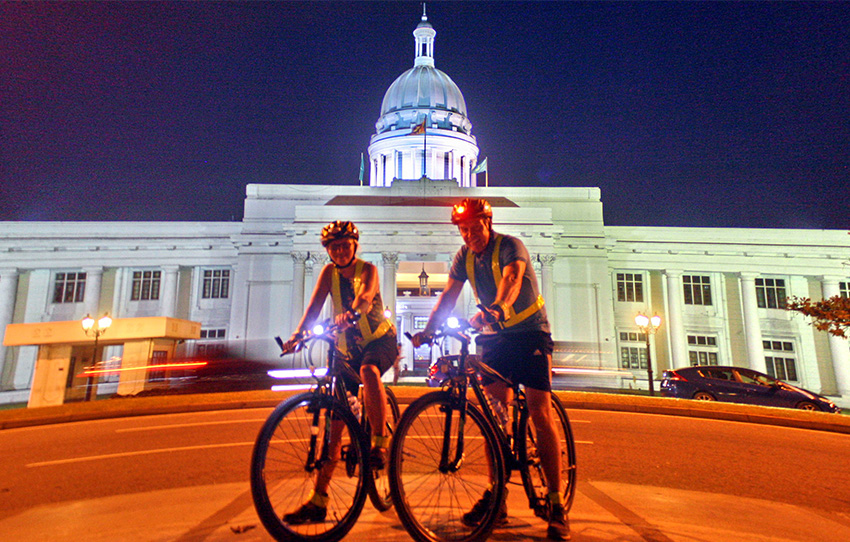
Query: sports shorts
[524, 357]
[382, 353]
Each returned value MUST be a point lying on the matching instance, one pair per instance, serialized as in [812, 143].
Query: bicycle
[447, 451]
[297, 441]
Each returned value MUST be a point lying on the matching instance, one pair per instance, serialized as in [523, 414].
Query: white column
[309, 277]
[91, 303]
[389, 288]
[838, 345]
[752, 326]
[8, 293]
[547, 289]
[299, 260]
[168, 294]
[675, 320]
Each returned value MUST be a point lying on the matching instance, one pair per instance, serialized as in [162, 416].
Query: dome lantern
[424, 34]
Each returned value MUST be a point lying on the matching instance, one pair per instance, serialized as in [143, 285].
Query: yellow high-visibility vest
[362, 323]
[512, 317]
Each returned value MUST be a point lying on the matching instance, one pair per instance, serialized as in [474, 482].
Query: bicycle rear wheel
[379, 486]
[531, 470]
[431, 498]
[287, 460]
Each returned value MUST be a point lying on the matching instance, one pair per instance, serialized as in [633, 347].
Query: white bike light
[318, 329]
[453, 322]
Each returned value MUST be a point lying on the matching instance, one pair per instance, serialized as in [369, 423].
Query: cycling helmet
[339, 229]
[471, 208]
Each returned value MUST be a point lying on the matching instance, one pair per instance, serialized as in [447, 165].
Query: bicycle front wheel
[379, 486]
[309, 439]
[531, 468]
[433, 484]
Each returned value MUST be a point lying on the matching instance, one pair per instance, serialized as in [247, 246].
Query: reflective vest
[363, 322]
[512, 317]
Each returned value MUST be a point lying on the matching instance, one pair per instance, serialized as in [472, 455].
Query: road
[87, 460]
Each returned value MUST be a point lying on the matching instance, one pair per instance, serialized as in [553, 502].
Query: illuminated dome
[423, 130]
[423, 87]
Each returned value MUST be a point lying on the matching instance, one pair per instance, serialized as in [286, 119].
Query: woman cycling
[368, 343]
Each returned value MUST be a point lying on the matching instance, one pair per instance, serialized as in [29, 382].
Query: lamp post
[648, 326]
[94, 328]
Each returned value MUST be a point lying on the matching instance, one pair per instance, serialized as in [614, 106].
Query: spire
[424, 34]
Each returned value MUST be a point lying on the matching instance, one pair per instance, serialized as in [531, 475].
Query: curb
[573, 400]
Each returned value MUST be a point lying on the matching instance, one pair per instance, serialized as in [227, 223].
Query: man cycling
[516, 341]
[368, 344]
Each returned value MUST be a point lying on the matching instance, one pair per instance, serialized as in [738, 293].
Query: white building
[718, 291]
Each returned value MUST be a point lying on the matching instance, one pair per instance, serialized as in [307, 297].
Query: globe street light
[94, 328]
[648, 326]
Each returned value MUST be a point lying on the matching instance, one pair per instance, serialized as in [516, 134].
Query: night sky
[684, 114]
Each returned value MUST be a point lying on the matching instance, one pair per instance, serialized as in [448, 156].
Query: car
[740, 385]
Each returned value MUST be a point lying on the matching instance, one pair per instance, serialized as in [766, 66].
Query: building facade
[719, 291]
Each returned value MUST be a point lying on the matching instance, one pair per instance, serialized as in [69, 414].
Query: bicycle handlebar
[457, 328]
[326, 331]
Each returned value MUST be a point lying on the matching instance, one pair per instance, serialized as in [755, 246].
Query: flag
[362, 168]
[419, 128]
[481, 167]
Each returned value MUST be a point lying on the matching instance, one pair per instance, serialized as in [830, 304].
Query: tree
[832, 315]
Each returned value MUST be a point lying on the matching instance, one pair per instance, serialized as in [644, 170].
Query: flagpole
[425, 147]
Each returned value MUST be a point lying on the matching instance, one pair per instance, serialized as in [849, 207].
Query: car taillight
[673, 375]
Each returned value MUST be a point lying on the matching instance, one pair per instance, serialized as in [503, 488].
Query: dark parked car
[739, 385]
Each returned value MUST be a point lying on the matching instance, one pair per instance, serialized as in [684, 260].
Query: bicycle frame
[458, 385]
[330, 384]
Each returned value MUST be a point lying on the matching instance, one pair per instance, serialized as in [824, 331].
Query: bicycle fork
[448, 464]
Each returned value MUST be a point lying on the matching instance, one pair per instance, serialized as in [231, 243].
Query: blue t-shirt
[511, 249]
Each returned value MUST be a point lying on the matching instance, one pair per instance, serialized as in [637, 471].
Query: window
[399, 163]
[446, 165]
[213, 333]
[158, 374]
[145, 285]
[211, 349]
[770, 293]
[697, 290]
[69, 288]
[718, 374]
[844, 289]
[630, 287]
[632, 356]
[216, 284]
[702, 350]
[419, 322]
[780, 360]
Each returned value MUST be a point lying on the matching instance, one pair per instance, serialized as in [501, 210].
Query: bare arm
[367, 291]
[507, 292]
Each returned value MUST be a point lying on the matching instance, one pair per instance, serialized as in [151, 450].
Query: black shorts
[382, 353]
[525, 357]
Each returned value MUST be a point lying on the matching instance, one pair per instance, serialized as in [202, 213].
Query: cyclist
[515, 339]
[368, 343]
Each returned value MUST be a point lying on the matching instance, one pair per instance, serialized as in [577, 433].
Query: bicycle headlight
[453, 322]
[318, 329]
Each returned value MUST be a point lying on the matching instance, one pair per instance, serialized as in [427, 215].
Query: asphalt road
[86, 460]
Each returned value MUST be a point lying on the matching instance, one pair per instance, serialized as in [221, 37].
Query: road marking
[131, 454]
[183, 425]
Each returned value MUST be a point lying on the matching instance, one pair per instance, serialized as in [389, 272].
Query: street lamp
[94, 328]
[648, 326]
[423, 283]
